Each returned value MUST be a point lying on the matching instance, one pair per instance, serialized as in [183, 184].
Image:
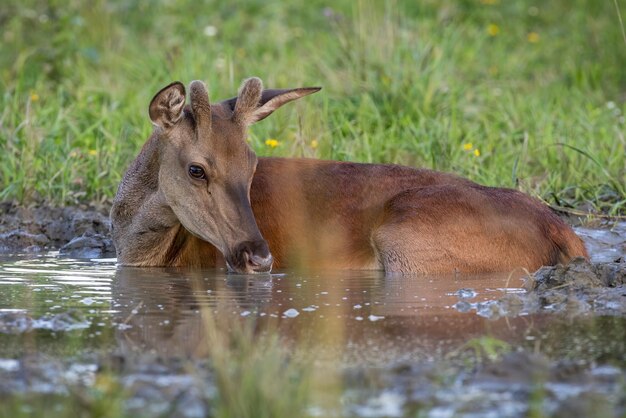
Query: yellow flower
[477, 152]
[314, 144]
[272, 143]
[468, 146]
[93, 152]
[493, 29]
[34, 97]
[533, 37]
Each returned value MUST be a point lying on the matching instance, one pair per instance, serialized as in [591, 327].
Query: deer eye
[196, 172]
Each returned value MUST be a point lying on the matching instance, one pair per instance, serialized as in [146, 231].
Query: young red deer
[197, 190]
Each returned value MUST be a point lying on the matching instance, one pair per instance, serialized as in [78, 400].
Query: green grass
[404, 82]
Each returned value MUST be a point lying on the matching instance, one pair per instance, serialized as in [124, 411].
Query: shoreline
[82, 231]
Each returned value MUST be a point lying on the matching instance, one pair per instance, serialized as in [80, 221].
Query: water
[605, 244]
[392, 345]
[158, 310]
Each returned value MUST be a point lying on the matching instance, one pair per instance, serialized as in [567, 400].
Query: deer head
[206, 166]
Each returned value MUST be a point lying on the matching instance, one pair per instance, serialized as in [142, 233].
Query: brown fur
[312, 213]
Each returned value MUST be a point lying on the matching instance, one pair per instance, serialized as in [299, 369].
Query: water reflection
[351, 317]
[356, 315]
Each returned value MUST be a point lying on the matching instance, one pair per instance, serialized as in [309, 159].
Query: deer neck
[142, 178]
[147, 227]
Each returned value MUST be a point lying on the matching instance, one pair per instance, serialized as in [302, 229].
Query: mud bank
[577, 288]
[81, 231]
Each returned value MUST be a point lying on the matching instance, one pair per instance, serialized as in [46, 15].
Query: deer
[198, 196]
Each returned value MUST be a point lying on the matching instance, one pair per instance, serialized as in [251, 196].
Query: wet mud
[514, 385]
[81, 231]
[577, 288]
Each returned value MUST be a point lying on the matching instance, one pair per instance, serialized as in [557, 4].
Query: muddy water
[605, 244]
[393, 346]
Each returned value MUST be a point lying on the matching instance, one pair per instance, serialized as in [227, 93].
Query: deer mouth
[250, 257]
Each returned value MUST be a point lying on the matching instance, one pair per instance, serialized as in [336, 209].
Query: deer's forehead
[223, 130]
[220, 115]
[226, 140]
[221, 111]
[226, 127]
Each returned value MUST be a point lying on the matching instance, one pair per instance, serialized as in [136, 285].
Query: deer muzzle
[251, 257]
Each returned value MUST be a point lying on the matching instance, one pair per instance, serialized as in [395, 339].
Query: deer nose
[252, 257]
[261, 264]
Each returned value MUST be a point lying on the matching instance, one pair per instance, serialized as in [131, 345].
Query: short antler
[201, 107]
[248, 100]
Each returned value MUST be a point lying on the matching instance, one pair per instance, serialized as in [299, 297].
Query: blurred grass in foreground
[255, 376]
[522, 94]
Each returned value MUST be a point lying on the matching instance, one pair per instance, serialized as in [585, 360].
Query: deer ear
[273, 99]
[254, 104]
[166, 108]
